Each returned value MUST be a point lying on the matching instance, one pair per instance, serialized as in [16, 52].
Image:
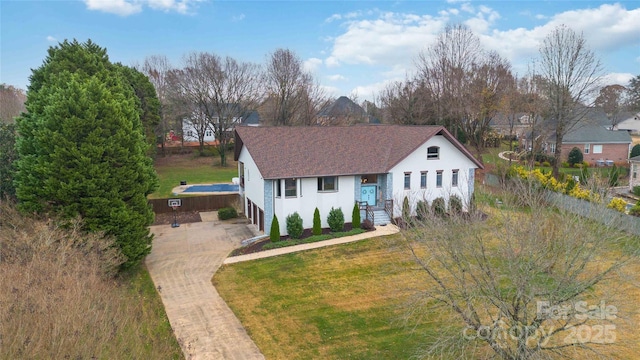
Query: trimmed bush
[636, 190]
[455, 204]
[439, 206]
[367, 225]
[575, 156]
[406, 210]
[317, 223]
[565, 164]
[227, 213]
[546, 164]
[274, 234]
[336, 220]
[635, 150]
[422, 209]
[355, 217]
[294, 225]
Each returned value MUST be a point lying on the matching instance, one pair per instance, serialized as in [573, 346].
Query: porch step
[380, 217]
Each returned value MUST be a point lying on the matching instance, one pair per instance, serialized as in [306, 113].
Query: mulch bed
[183, 217]
[257, 246]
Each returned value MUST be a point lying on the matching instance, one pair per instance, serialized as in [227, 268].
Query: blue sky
[352, 47]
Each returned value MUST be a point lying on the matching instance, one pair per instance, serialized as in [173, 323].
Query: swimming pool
[212, 188]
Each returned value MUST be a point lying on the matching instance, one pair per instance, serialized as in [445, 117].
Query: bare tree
[485, 86]
[292, 94]
[221, 92]
[572, 73]
[521, 283]
[11, 103]
[443, 68]
[465, 82]
[407, 103]
[611, 100]
[157, 68]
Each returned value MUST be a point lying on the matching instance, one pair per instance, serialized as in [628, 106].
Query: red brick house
[598, 145]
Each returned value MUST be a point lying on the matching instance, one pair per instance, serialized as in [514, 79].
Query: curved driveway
[182, 263]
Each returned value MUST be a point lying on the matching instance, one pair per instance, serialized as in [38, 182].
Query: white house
[284, 170]
[191, 128]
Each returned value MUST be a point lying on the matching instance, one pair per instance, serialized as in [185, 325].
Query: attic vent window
[433, 153]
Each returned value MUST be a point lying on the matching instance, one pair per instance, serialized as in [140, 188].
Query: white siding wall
[310, 198]
[187, 126]
[450, 158]
[253, 182]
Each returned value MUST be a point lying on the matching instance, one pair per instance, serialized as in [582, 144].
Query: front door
[368, 193]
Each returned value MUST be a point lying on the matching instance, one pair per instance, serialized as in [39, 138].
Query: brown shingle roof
[286, 152]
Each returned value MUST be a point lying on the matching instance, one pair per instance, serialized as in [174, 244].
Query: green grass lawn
[194, 169]
[339, 302]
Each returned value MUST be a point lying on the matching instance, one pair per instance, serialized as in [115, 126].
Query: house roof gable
[284, 152]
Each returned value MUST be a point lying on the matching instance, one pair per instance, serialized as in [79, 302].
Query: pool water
[212, 188]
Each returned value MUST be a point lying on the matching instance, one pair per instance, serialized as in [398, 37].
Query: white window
[454, 178]
[190, 133]
[586, 148]
[423, 179]
[290, 188]
[433, 153]
[597, 149]
[208, 133]
[439, 178]
[328, 183]
[407, 180]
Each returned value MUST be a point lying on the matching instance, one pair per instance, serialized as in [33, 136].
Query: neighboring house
[519, 125]
[190, 134]
[598, 145]
[634, 172]
[630, 122]
[343, 111]
[284, 170]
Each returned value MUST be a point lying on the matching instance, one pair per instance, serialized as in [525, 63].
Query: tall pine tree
[82, 147]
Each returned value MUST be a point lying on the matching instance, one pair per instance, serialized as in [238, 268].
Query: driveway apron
[182, 263]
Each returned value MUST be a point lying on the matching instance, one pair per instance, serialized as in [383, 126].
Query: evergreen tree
[575, 156]
[274, 234]
[146, 101]
[635, 150]
[355, 217]
[317, 223]
[82, 150]
[8, 156]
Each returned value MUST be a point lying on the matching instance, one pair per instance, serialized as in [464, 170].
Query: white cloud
[616, 78]
[332, 61]
[312, 64]
[387, 43]
[238, 18]
[118, 7]
[129, 7]
[336, 77]
[51, 39]
[605, 28]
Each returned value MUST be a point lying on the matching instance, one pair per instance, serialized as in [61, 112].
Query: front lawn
[339, 302]
[352, 301]
[193, 169]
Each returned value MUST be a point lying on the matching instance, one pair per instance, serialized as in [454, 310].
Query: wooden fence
[197, 203]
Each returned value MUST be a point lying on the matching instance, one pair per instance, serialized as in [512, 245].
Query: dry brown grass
[59, 299]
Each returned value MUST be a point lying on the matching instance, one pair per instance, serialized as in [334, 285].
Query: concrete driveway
[182, 263]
